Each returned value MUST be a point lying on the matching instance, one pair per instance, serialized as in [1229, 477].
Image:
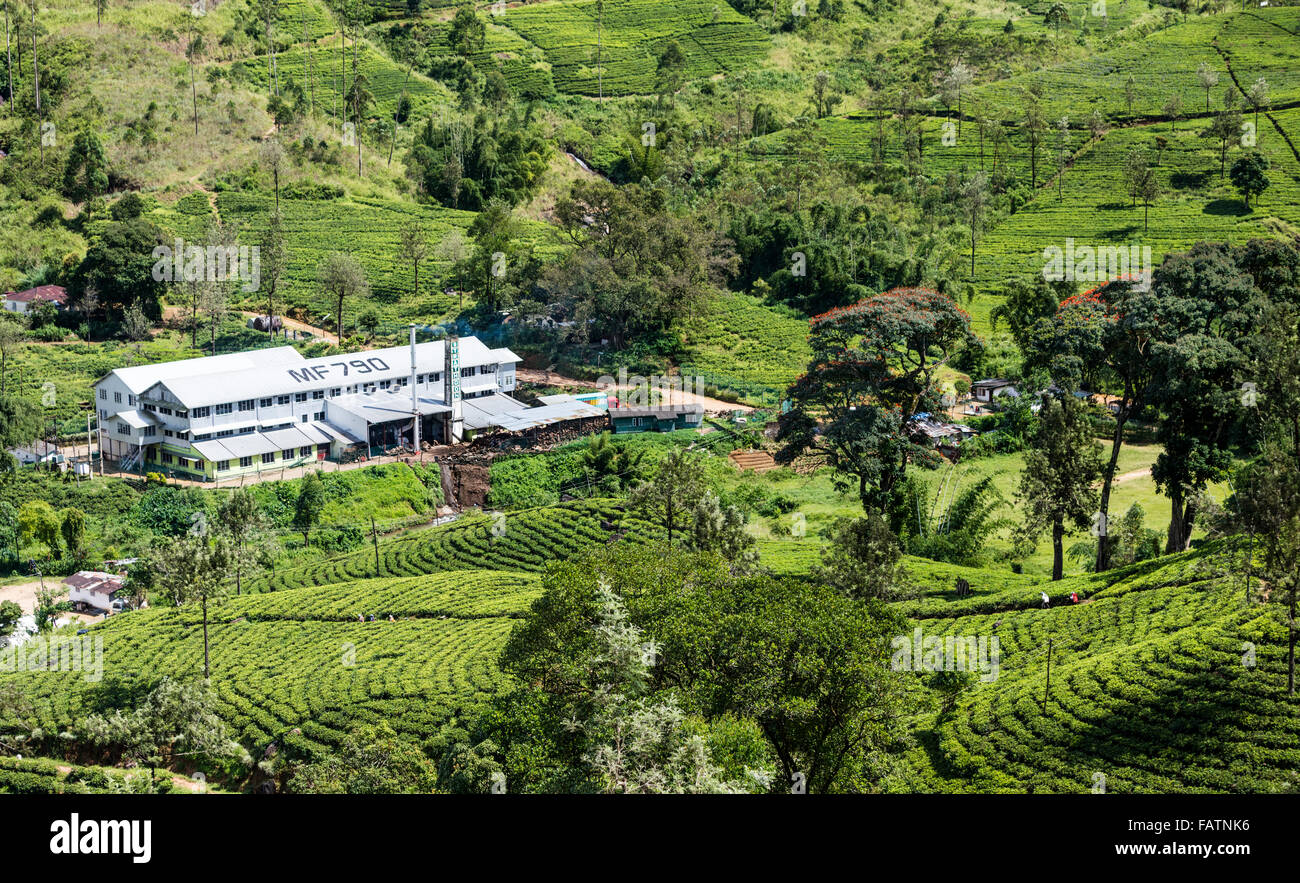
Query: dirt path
[550, 378]
[321, 333]
[24, 595]
[184, 783]
[1132, 476]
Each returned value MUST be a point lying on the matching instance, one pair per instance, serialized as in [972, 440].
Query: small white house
[987, 390]
[92, 589]
[37, 453]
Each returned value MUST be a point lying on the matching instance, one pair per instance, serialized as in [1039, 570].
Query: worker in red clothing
[1074, 597]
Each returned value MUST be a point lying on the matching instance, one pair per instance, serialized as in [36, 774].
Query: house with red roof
[22, 302]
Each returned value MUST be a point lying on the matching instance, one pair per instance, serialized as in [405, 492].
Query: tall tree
[273, 159]
[1103, 340]
[311, 502]
[1034, 127]
[1207, 77]
[36, 87]
[341, 277]
[671, 496]
[194, 569]
[240, 520]
[1056, 487]
[1249, 174]
[193, 48]
[413, 243]
[273, 256]
[975, 197]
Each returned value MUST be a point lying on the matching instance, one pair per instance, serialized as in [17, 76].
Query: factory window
[245, 462]
[300, 397]
[319, 415]
[268, 458]
[336, 391]
[435, 377]
[264, 403]
[166, 410]
[130, 400]
[123, 429]
[468, 372]
[103, 394]
[224, 409]
[225, 433]
[246, 405]
[205, 411]
[167, 458]
[286, 455]
[223, 465]
[282, 400]
[419, 379]
[203, 436]
[401, 381]
[117, 397]
[318, 394]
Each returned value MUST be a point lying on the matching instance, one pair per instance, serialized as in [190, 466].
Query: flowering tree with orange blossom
[1102, 340]
[874, 365]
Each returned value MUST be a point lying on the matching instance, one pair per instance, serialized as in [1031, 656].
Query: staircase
[758, 461]
[131, 460]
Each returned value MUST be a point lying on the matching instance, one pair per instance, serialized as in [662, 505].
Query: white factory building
[220, 416]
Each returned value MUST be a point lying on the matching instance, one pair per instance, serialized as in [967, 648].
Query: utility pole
[374, 536]
[1048, 688]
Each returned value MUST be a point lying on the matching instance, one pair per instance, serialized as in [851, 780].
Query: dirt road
[24, 595]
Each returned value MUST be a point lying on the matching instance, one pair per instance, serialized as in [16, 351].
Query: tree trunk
[207, 672]
[1058, 559]
[1290, 647]
[1107, 480]
[194, 96]
[1182, 520]
[36, 86]
[9, 64]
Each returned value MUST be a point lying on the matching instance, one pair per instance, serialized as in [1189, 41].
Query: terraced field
[1195, 205]
[298, 665]
[1162, 64]
[521, 541]
[385, 78]
[713, 37]
[743, 345]
[369, 229]
[1151, 687]
[523, 64]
